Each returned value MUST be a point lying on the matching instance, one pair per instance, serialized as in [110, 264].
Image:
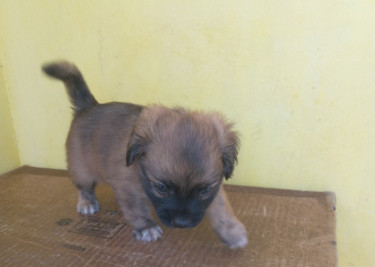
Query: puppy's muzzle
[181, 222]
[177, 219]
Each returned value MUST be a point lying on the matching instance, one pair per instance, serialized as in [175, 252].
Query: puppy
[175, 159]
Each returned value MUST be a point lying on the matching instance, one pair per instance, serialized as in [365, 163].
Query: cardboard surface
[39, 226]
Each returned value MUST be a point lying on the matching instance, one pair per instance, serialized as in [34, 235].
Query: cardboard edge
[36, 171]
[330, 196]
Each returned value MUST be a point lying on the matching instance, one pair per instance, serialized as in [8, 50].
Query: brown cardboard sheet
[40, 227]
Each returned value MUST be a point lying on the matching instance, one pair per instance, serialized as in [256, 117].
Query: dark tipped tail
[77, 89]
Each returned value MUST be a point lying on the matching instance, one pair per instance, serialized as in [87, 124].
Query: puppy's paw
[234, 236]
[149, 234]
[239, 242]
[87, 207]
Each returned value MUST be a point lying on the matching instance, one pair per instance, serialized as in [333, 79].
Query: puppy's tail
[78, 91]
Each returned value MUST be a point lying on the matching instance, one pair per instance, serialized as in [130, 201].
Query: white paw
[234, 236]
[149, 234]
[239, 243]
[86, 207]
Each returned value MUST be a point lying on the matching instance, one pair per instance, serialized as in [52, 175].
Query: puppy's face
[178, 203]
[182, 158]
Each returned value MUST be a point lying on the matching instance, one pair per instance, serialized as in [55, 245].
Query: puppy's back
[100, 136]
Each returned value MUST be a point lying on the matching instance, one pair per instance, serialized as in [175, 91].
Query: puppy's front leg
[229, 229]
[136, 209]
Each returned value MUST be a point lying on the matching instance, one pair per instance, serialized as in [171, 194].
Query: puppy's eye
[161, 188]
[205, 192]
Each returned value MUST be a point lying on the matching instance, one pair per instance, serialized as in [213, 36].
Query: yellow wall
[8, 145]
[296, 76]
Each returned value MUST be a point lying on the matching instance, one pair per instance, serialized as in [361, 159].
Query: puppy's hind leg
[87, 202]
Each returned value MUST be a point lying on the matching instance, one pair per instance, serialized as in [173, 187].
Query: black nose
[181, 222]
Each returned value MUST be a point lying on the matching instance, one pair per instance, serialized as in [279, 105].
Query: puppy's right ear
[143, 132]
[135, 151]
[138, 142]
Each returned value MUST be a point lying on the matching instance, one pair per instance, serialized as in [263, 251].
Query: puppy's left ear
[229, 144]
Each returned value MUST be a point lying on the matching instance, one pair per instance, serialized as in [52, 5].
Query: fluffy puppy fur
[175, 159]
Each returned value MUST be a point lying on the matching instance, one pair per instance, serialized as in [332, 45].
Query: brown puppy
[174, 158]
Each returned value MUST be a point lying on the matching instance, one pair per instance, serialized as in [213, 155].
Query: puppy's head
[182, 158]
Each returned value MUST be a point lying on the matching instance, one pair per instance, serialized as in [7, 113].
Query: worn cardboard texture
[40, 227]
